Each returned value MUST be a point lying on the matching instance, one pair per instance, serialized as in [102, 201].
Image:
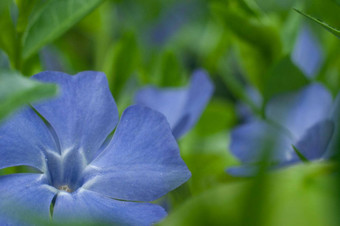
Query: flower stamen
[65, 188]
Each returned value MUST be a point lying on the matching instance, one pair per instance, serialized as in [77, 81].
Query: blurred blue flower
[85, 177]
[307, 53]
[173, 18]
[307, 56]
[181, 106]
[303, 121]
[51, 59]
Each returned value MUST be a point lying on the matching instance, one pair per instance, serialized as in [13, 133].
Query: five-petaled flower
[181, 106]
[300, 126]
[83, 174]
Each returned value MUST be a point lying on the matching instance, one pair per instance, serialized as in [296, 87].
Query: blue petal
[137, 182]
[182, 107]
[25, 197]
[91, 207]
[313, 144]
[142, 162]
[25, 140]
[250, 141]
[299, 111]
[84, 114]
[307, 54]
[169, 102]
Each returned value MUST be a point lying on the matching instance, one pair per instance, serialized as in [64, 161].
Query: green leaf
[218, 206]
[169, 70]
[223, 114]
[284, 76]
[25, 8]
[8, 39]
[252, 30]
[331, 29]
[237, 89]
[299, 195]
[121, 62]
[52, 20]
[290, 30]
[258, 40]
[16, 91]
[300, 155]
[207, 157]
[334, 145]
[251, 7]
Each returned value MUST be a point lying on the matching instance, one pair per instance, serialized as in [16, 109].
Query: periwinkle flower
[181, 106]
[85, 177]
[307, 53]
[299, 127]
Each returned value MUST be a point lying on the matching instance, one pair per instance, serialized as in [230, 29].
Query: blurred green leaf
[299, 154]
[284, 76]
[207, 158]
[331, 29]
[252, 30]
[169, 71]
[208, 170]
[25, 8]
[193, 143]
[218, 206]
[237, 89]
[52, 20]
[276, 5]
[16, 91]
[31, 66]
[127, 95]
[258, 40]
[324, 10]
[251, 7]
[290, 30]
[299, 195]
[213, 44]
[334, 145]
[121, 62]
[8, 39]
[217, 116]
[252, 63]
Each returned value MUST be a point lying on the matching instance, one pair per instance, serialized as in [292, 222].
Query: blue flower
[299, 126]
[307, 53]
[181, 106]
[85, 177]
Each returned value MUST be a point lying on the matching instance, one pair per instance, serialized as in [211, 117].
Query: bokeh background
[252, 50]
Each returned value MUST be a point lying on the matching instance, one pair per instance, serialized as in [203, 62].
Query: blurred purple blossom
[181, 106]
[305, 120]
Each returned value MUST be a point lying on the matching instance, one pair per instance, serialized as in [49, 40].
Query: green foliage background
[241, 43]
